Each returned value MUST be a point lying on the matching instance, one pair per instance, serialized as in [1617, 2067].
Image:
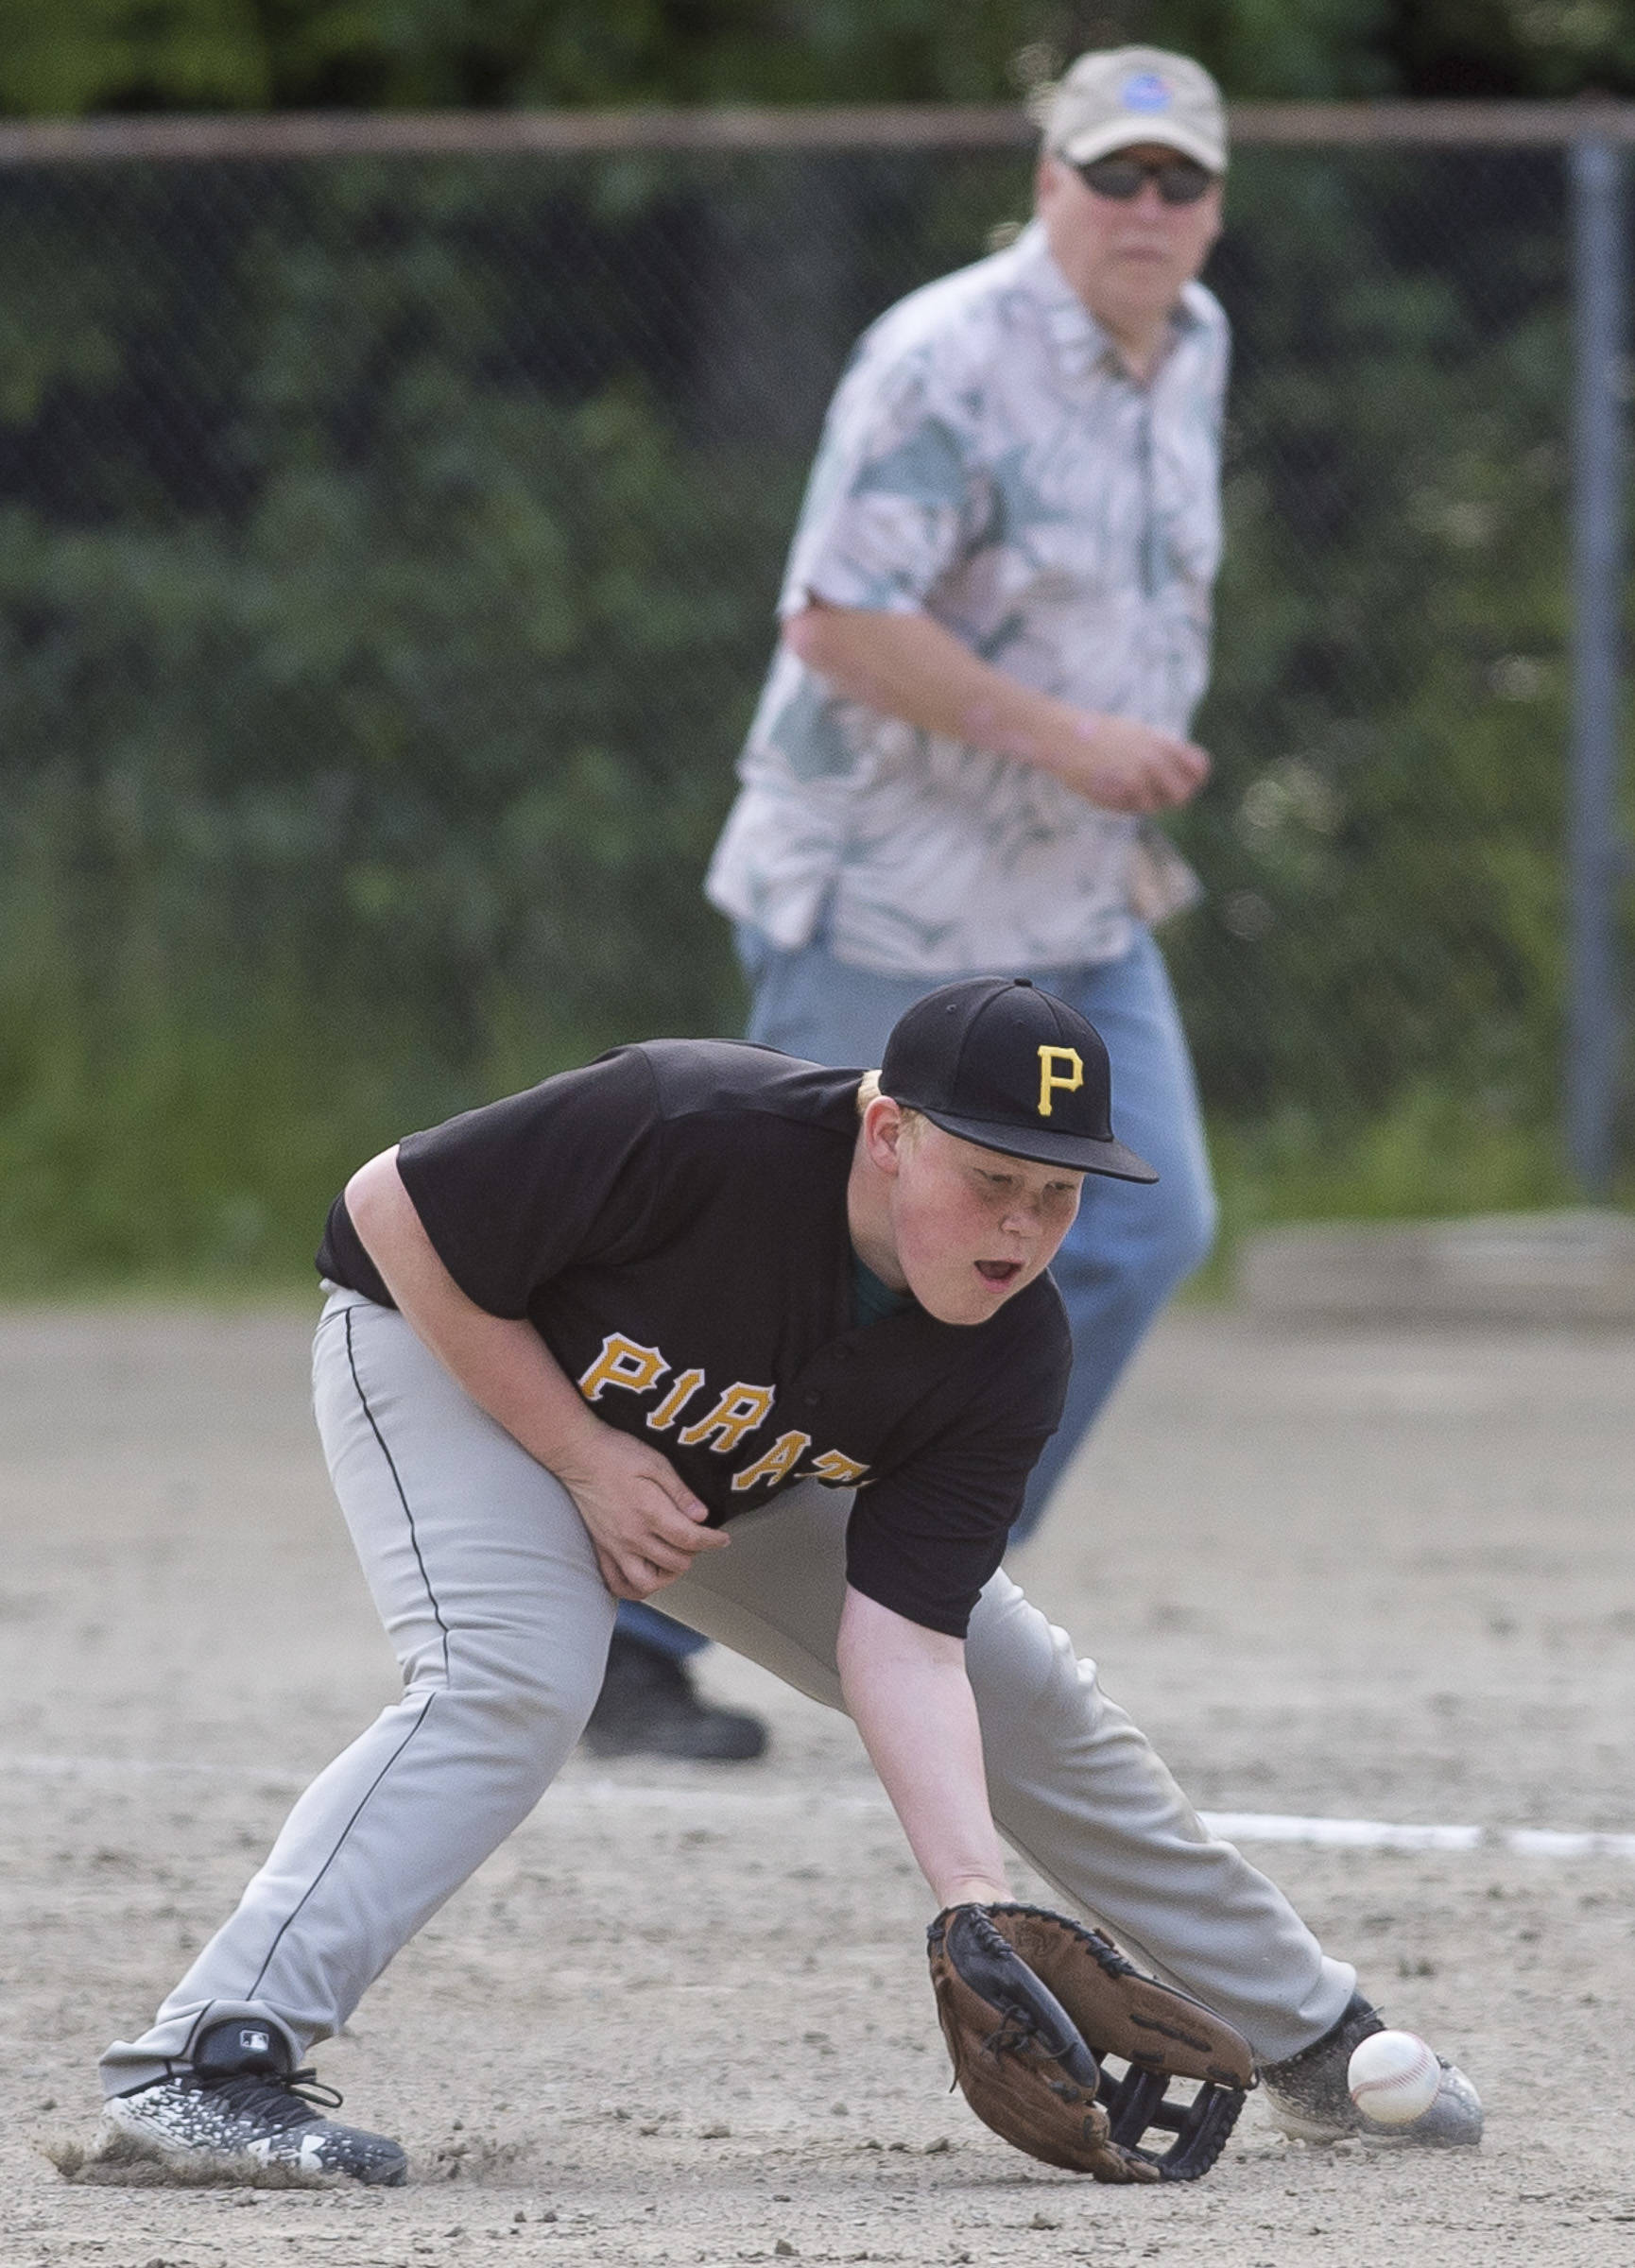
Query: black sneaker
[647, 1706]
[1307, 2096]
[240, 2101]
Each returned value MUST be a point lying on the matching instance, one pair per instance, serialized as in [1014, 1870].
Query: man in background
[995, 630]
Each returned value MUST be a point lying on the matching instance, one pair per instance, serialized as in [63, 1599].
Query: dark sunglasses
[1179, 181]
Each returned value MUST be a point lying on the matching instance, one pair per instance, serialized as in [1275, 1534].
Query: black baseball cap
[998, 1061]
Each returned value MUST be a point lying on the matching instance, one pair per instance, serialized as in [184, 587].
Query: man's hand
[909, 665]
[1120, 765]
[645, 1524]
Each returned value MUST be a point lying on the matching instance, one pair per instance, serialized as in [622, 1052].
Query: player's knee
[527, 1689]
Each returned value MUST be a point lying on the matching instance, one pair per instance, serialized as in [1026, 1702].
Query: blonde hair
[869, 1091]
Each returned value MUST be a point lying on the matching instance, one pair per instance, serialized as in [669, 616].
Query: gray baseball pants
[486, 1580]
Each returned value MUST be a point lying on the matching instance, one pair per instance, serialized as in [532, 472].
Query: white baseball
[1393, 2077]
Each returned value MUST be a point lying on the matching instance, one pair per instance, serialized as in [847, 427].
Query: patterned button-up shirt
[987, 459]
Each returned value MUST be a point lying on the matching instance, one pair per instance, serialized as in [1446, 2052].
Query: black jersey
[672, 1220]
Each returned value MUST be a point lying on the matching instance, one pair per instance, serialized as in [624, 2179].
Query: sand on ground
[682, 2015]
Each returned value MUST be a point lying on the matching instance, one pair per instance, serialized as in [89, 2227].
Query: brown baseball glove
[1030, 2002]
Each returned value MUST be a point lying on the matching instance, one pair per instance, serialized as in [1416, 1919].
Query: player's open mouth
[999, 1271]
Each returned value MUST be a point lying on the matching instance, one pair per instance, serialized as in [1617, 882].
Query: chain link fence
[389, 547]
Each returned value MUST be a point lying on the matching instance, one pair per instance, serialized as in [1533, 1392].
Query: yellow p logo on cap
[1061, 1071]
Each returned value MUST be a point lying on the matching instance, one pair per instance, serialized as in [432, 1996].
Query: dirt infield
[683, 2016]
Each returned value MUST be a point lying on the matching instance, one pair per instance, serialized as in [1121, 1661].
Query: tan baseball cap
[1118, 96]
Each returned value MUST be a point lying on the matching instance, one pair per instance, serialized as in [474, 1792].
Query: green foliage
[61, 57]
[68, 57]
[1277, 50]
[1382, 840]
[1548, 49]
[1432, 1154]
[370, 702]
[387, 552]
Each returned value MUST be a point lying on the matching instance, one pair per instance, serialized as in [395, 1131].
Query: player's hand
[1121, 765]
[645, 1524]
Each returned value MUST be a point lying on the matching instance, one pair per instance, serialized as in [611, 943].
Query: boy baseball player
[779, 1341]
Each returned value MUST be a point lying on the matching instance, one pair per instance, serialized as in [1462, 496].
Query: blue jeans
[651, 1629]
[1130, 1245]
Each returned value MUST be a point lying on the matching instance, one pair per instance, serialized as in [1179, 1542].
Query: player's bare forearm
[503, 1363]
[645, 1524]
[910, 1699]
[908, 666]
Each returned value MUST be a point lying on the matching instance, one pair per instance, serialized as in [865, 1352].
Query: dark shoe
[1308, 2098]
[648, 1707]
[240, 2101]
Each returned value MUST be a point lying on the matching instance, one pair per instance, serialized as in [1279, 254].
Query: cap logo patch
[1146, 91]
[1061, 1071]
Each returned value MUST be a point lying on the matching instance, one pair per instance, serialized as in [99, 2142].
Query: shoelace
[276, 2103]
